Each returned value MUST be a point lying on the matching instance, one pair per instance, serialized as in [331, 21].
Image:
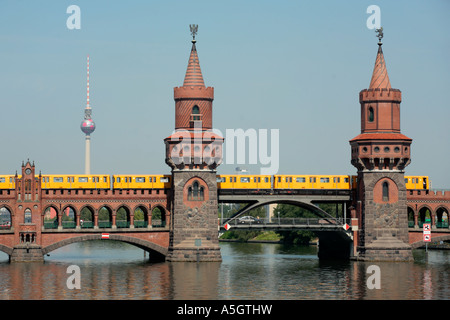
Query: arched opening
[441, 218]
[51, 218]
[5, 218]
[68, 218]
[140, 217]
[123, 217]
[104, 217]
[196, 192]
[371, 115]
[410, 217]
[424, 216]
[87, 217]
[195, 113]
[385, 191]
[158, 217]
[27, 216]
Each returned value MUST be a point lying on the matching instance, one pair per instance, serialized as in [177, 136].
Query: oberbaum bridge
[375, 226]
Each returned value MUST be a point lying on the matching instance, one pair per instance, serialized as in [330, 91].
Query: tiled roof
[194, 75]
[380, 78]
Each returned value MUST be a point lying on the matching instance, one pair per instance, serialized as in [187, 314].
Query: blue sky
[296, 66]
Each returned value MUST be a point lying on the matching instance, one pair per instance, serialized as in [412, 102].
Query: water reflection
[119, 271]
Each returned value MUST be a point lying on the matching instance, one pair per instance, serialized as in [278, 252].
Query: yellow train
[247, 183]
[141, 182]
[75, 182]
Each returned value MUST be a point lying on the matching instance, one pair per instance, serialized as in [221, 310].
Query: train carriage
[7, 182]
[75, 182]
[244, 183]
[291, 183]
[417, 183]
[141, 181]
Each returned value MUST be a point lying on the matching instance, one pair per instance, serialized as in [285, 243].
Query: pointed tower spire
[193, 75]
[380, 78]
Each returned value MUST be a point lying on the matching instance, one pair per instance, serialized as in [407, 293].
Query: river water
[111, 270]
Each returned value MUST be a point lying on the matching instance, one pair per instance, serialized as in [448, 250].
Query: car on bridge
[249, 220]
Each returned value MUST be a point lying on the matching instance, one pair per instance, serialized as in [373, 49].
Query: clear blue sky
[296, 66]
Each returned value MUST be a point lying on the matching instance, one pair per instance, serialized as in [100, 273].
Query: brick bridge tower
[193, 152]
[380, 154]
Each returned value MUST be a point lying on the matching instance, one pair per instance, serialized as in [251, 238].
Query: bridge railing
[274, 222]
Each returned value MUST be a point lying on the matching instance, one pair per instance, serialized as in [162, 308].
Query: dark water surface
[115, 270]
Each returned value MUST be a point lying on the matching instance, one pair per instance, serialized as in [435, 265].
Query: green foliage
[139, 214]
[156, 214]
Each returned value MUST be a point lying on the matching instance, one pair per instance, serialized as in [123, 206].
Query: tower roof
[380, 78]
[193, 75]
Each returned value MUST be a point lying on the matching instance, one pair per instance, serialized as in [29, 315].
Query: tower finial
[194, 30]
[379, 35]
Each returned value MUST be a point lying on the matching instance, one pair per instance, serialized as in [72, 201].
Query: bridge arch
[421, 243]
[7, 217]
[157, 250]
[158, 215]
[6, 249]
[299, 203]
[123, 216]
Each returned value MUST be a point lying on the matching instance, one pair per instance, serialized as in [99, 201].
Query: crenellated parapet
[380, 94]
[193, 92]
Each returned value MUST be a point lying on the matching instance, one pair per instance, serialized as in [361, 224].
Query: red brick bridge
[29, 237]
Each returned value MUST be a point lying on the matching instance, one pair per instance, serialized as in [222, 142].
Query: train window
[336, 180]
[105, 179]
[245, 179]
[2, 180]
[220, 179]
[345, 179]
[140, 179]
[58, 179]
[82, 179]
[164, 179]
[313, 180]
[279, 179]
[406, 180]
[300, 179]
[266, 179]
[324, 180]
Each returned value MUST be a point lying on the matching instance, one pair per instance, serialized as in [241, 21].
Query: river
[111, 270]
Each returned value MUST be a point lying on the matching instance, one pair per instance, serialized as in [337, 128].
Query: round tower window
[376, 149]
[396, 149]
[386, 149]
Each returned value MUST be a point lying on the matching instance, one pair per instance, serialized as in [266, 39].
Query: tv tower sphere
[87, 126]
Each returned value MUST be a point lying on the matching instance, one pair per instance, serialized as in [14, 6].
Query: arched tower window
[196, 192]
[371, 114]
[385, 191]
[27, 216]
[196, 112]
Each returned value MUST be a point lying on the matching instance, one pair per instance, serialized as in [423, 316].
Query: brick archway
[140, 243]
[421, 243]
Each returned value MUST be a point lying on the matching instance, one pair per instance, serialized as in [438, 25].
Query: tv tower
[87, 126]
